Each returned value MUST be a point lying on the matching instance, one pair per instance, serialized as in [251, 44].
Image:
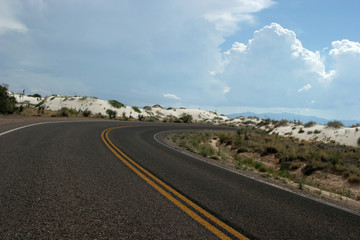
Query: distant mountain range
[291, 117]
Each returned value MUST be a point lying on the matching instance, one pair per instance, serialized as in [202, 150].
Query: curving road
[93, 180]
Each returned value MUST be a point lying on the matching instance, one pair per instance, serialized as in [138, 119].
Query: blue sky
[295, 56]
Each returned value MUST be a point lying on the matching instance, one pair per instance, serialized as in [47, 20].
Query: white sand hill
[100, 106]
[343, 135]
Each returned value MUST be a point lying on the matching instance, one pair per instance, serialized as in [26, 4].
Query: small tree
[111, 113]
[86, 113]
[187, 118]
[7, 102]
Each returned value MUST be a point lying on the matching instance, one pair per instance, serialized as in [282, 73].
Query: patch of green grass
[136, 109]
[206, 150]
[116, 104]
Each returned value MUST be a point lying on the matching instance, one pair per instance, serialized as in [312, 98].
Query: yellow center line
[128, 160]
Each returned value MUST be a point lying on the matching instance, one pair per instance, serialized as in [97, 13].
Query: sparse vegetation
[136, 109]
[292, 154]
[116, 104]
[335, 124]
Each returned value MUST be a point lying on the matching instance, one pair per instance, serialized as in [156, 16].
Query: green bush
[313, 166]
[187, 118]
[64, 112]
[86, 113]
[157, 106]
[206, 150]
[7, 102]
[136, 109]
[310, 124]
[111, 113]
[36, 95]
[116, 104]
[335, 124]
[354, 179]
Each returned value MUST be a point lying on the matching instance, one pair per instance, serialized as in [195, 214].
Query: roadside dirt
[308, 191]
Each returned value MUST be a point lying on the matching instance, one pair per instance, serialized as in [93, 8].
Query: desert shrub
[187, 118]
[157, 106]
[301, 130]
[64, 112]
[269, 150]
[116, 104]
[354, 179]
[151, 120]
[86, 113]
[283, 122]
[83, 98]
[225, 137]
[335, 124]
[259, 166]
[310, 124]
[358, 141]
[136, 109]
[148, 108]
[36, 95]
[222, 153]
[317, 131]
[7, 102]
[313, 166]
[111, 113]
[178, 120]
[206, 150]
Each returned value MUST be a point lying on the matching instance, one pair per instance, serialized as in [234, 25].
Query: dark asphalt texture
[60, 181]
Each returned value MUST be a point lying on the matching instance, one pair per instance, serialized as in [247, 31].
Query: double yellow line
[175, 197]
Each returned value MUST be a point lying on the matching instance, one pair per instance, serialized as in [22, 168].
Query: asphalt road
[64, 181]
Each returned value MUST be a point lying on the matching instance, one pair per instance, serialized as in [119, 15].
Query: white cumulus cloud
[171, 96]
[344, 46]
[266, 70]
